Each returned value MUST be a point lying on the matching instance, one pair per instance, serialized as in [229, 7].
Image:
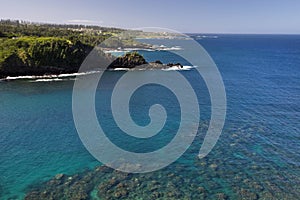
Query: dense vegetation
[35, 49]
[90, 35]
[19, 55]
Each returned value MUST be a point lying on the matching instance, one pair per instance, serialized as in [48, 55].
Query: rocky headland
[135, 61]
[69, 63]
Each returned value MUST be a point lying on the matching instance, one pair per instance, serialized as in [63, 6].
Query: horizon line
[184, 32]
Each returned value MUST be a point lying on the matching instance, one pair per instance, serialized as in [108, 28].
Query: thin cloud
[83, 21]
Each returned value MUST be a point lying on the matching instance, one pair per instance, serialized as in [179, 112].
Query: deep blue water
[260, 139]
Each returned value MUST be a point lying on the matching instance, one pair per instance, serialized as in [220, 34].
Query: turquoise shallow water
[259, 147]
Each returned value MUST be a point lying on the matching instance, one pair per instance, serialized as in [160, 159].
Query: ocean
[256, 157]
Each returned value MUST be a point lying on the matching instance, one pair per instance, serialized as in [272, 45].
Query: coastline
[60, 77]
[26, 105]
[50, 76]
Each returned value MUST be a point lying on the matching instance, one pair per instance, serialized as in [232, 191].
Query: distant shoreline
[29, 50]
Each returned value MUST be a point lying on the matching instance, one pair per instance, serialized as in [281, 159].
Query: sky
[188, 16]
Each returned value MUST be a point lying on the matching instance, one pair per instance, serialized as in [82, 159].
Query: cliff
[39, 56]
[51, 56]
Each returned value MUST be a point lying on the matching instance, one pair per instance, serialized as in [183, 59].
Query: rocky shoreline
[129, 62]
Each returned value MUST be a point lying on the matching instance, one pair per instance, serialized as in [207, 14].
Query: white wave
[50, 76]
[126, 50]
[207, 36]
[178, 67]
[23, 77]
[165, 48]
[115, 51]
[137, 49]
[47, 80]
[118, 52]
[176, 48]
[120, 69]
[77, 74]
